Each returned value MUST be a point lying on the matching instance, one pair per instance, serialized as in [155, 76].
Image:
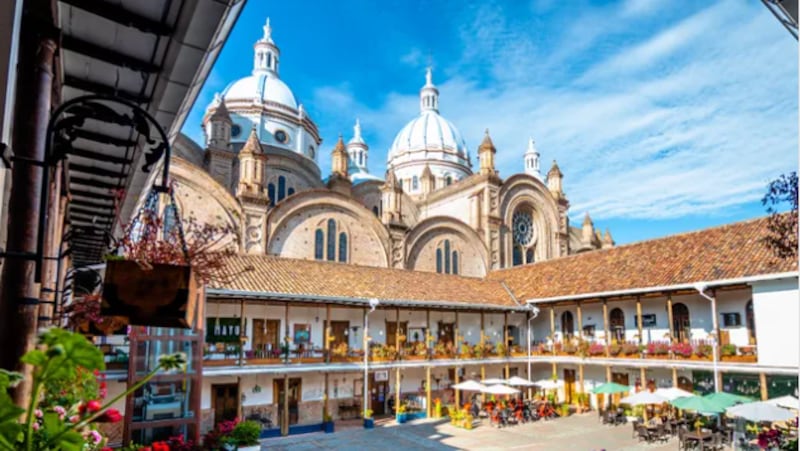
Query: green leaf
[9, 379]
[10, 428]
[35, 357]
[70, 441]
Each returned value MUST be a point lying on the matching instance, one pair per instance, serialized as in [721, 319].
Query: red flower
[93, 406]
[160, 446]
[110, 416]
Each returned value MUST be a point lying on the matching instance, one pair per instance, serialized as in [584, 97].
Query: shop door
[225, 401]
[295, 387]
[379, 392]
[569, 385]
[447, 333]
[391, 330]
[265, 336]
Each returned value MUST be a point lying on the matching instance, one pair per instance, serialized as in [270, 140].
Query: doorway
[567, 324]
[680, 322]
[391, 332]
[446, 333]
[339, 332]
[225, 402]
[295, 388]
[379, 392]
[569, 385]
[750, 321]
[265, 336]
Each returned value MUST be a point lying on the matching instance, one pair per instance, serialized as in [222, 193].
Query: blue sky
[665, 116]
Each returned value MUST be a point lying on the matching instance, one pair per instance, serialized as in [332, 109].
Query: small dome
[262, 88]
[429, 131]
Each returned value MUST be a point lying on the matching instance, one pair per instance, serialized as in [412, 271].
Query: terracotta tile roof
[726, 252]
[307, 277]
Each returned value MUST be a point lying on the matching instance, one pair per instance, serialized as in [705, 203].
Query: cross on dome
[267, 32]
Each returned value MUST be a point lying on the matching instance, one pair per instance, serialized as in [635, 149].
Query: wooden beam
[100, 156]
[111, 56]
[762, 382]
[100, 88]
[118, 14]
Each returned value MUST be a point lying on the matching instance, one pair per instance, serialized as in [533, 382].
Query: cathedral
[432, 211]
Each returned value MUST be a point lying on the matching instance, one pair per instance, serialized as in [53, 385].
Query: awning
[153, 53]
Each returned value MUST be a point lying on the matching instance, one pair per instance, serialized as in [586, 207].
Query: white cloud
[413, 58]
[691, 118]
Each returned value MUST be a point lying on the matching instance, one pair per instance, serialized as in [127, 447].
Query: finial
[486, 132]
[357, 130]
[428, 76]
[531, 146]
[267, 31]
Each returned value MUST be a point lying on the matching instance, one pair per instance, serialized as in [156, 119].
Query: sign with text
[223, 330]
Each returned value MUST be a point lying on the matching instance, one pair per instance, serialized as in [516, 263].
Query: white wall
[776, 308]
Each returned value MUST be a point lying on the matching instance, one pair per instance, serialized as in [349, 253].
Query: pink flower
[60, 411]
[74, 419]
[95, 436]
[38, 413]
[36, 426]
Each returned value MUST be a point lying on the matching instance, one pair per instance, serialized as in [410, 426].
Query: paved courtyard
[578, 432]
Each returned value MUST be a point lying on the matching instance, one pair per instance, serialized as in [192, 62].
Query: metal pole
[366, 359]
[701, 289]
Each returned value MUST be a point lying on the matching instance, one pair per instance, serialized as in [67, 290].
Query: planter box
[740, 358]
[415, 357]
[164, 296]
[402, 418]
[369, 423]
[249, 448]
[328, 427]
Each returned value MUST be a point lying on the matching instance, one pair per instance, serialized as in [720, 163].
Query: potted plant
[245, 436]
[402, 413]
[327, 423]
[369, 422]
[155, 276]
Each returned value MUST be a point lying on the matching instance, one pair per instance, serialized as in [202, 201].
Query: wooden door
[447, 332]
[680, 322]
[339, 332]
[391, 330]
[225, 401]
[569, 385]
[295, 390]
[265, 334]
[379, 392]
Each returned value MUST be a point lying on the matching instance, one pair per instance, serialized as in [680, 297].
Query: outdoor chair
[643, 434]
[635, 425]
[661, 433]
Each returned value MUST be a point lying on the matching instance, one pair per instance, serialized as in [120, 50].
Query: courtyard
[577, 432]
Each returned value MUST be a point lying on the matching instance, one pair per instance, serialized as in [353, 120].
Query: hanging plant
[162, 260]
[83, 315]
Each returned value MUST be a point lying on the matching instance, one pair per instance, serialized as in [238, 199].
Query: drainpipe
[701, 289]
[534, 312]
[373, 303]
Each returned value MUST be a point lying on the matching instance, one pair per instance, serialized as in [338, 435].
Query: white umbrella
[520, 382]
[469, 386]
[760, 411]
[673, 393]
[493, 381]
[789, 402]
[643, 397]
[548, 384]
[499, 389]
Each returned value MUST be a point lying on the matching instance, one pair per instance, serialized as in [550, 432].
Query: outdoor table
[699, 437]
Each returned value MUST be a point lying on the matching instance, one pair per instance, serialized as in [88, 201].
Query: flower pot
[328, 427]
[369, 423]
[164, 296]
[402, 418]
[249, 448]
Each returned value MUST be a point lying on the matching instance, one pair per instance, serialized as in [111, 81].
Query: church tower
[357, 151]
[554, 184]
[252, 194]
[218, 159]
[339, 180]
[427, 180]
[532, 160]
[486, 153]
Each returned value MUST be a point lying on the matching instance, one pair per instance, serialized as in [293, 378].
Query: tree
[782, 226]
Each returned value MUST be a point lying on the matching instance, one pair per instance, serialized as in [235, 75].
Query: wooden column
[397, 402]
[553, 329]
[482, 340]
[505, 343]
[580, 321]
[639, 318]
[458, 392]
[428, 334]
[762, 382]
[482, 336]
[285, 419]
[669, 319]
[327, 335]
[397, 330]
[605, 330]
[287, 357]
[325, 406]
[456, 338]
[580, 378]
[242, 333]
[674, 377]
[608, 374]
[428, 391]
[555, 370]
[483, 372]
[643, 377]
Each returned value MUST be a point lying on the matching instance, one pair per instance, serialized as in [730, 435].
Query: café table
[698, 436]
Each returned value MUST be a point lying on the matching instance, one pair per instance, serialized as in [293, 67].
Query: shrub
[728, 350]
[598, 349]
[702, 349]
[657, 348]
[246, 433]
[583, 348]
[682, 349]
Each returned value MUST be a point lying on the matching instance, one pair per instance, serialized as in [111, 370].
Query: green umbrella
[699, 404]
[610, 388]
[727, 399]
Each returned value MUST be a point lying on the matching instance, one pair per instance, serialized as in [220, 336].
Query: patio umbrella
[493, 381]
[469, 386]
[699, 404]
[642, 398]
[500, 389]
[727, 399]
[610, 388]
[760, 411]
[788, 402]
[673, 393]
[520, 382]
[548, 384]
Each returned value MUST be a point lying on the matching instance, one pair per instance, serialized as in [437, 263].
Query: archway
[617, 324]
[680, 321]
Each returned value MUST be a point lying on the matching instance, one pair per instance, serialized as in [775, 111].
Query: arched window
[319, 246]
[331, 240]
[680, 321]
[169, 221]
[414, 183]
[750, 321]
[447, 256]
[448, 180]
[455, 262]
[271, 194]
[438, 260]
[360, 159]
[343, 247]
[616, 321]
[517, 257]
[529, 255]
[567, 324]
[290, 191]
[269, 59]
[375, 210]
[281, 188]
